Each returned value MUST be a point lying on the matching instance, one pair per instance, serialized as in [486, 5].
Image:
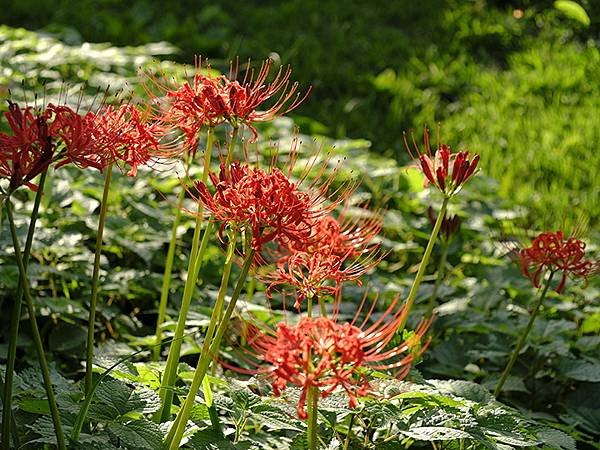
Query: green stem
[348, 436]
[166, 284]
[60, 438]
[178, 427]
[14, 325]
[440, 276]
[231, 146]
[322, 306]
[196, 254]
[313, 412]
[421, 272]
[89, 360]
[523, 337]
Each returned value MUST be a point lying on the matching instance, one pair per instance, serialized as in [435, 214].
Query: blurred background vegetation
[517, 81]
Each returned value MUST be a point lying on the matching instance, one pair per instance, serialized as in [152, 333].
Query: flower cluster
[550, 251]
[327, 354]
[60, 135]
[445, 170]
[212, 100]
[337, 250]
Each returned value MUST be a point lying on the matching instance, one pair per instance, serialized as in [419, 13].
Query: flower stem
[166, 283]
[440, 276]
[523, 337]
[60, 438]
[95, 277]
[196, 255]
[178, 427]
[421, 272]
[313, 412]
[14, 324]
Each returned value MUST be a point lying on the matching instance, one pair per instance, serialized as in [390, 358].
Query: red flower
[336, 251]
[268, 205]
[447, 171]
[110, 135]
[29, 150]
[212, 100]
[327, 354]
[550, 251]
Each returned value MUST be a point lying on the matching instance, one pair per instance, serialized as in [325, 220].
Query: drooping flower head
[551, 252]
[29, 149]
[205, 99]
[329, 354]
[337, 250]
[446, 170]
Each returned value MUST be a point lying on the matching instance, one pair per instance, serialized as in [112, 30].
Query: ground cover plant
[291, 282]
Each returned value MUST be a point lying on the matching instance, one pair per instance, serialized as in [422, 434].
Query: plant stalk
[313, 412]
[14, 324]
[170, 374]
[523, 337]
[440, 276]
[89, 360]
[166, 283]
[421, 272]
[178, 427]
[60, 438]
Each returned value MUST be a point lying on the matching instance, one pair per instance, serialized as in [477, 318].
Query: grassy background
[517, 81]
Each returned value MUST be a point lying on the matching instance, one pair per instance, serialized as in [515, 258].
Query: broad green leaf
[556, 439]
[573, 10]
[512, 439]
[435, 433]
[581, 370]
[138, 435]
[209, 439]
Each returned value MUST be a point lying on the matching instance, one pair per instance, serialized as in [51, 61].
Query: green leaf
[274, 418]
[435, 434]
[556, 439]
[512, 439]
[581, 370]
[209, 439]
[573, 10]
[36, 406]
[139, 434]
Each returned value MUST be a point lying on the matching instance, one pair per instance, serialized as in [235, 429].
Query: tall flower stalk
[16, 318]
[95, 279]
[447, 172]
[39, 346]
[549, 253]
[523, 337]
[195, 259]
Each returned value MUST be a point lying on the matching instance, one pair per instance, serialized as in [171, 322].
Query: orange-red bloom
[447, 171]
[268, 205]
[550, 251]
[110, 135]
[327, 354]
[29, 150]
[336, 250]
[213, 100]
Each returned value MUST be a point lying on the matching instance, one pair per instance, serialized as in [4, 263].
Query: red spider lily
[213, 100]
[550, 251]
[268, 204]
[447, 171]
[450, 224]
[327, 354]
[337, 250]
[29, 150]
[110, 135]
